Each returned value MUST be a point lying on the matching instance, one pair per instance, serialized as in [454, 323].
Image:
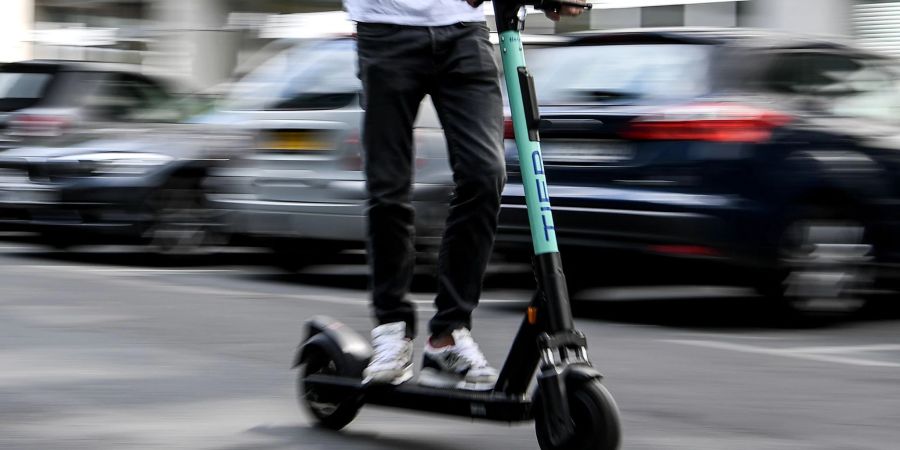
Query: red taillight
[710, 122]
[508, 130]
[352, 159]
[37, 125]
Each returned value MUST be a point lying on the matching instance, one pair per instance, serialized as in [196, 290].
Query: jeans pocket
[478, 42]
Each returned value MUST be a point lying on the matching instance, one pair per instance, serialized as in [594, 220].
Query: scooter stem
[526, 120]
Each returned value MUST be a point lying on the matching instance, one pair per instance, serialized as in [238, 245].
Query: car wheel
[182, 223]
[824, 266]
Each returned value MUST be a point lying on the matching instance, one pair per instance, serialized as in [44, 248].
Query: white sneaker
[461, 365]
[392, 359]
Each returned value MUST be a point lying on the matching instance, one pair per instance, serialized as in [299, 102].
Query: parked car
[143, 184]
[301, 191]
[43, 102]
[771, 157]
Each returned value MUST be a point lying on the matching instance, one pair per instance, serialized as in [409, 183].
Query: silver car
[301, 190]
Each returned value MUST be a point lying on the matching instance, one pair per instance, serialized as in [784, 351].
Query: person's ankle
[442, 341]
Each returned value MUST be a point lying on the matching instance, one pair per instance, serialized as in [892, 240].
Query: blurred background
[181, 187]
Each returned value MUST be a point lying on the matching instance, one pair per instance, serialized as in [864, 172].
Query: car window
[619, 73]
[23, 85]
[22, 89]
[839, 85]
[124, 97]
[308, 76]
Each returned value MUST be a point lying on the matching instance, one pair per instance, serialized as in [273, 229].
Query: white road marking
[664, 293]
[797, 353]
[732, 336]
[849, 349]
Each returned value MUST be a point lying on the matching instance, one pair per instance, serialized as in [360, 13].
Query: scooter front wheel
[594, 414]
[328, 412]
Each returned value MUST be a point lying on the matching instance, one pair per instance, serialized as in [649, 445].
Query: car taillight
[37, 125]
[508, 130]
[710, 122]
[352, 160]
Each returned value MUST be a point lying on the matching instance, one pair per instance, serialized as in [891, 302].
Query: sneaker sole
[436, 379]
[404, 376]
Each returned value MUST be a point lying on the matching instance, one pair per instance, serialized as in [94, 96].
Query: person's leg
[466, 95]
[393, 62]
[468, 101]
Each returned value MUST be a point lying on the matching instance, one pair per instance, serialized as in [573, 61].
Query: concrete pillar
[711, 15]
[16, 23]
[192, 43]
[827, 17]
[662, 16]
[615, 18]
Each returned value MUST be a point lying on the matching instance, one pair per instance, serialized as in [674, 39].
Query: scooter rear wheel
[327, 412]
[594, 414]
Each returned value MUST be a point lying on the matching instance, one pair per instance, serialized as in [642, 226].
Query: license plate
[298, 141]
[587, 151]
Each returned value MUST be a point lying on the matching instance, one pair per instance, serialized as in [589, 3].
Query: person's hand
[564, 11]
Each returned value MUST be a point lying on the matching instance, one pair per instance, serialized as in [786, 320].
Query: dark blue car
[746, 156]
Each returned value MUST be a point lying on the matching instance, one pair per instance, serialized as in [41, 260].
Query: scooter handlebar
[547, 5]
[556, 5]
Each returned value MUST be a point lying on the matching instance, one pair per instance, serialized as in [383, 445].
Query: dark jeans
[454, 64]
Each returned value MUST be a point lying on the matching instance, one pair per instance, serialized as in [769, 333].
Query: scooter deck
[487, 405]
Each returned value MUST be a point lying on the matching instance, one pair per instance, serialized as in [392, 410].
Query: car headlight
[113, 163]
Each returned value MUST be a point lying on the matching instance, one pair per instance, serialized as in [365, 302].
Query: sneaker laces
[468, 349]
[387, 347]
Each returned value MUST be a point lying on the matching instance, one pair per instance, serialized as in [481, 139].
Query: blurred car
[43, 101]
[770, 158]
[301, 191]
[143, 184]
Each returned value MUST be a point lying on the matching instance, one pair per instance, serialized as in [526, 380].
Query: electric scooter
[570, 407]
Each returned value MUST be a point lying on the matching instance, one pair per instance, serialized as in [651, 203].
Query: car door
[852, 103]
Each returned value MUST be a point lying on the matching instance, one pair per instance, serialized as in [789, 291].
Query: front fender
[580, 373]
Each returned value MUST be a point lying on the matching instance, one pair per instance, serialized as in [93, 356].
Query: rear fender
[337, 339]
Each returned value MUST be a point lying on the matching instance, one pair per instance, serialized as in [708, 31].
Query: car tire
[823, 267]
[182, 223]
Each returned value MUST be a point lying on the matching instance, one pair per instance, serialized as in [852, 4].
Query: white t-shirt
[413, 12]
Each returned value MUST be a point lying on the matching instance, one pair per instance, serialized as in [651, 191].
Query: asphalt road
[104, 350]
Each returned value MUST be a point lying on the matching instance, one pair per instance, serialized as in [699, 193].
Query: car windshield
[619, 73]
[307, 75]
